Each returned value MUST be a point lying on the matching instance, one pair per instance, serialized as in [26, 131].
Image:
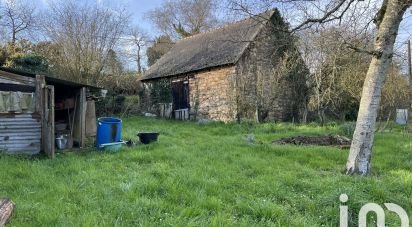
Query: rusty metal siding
[20, 133]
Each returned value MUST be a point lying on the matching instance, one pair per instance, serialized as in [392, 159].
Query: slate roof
[219, 47]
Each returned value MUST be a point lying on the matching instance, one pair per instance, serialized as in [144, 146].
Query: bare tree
[183, 18]
[85, 34]
[322, 60]
[17, 16]
[337, 73]
[395, 95]
[387, 19]
[138, 40]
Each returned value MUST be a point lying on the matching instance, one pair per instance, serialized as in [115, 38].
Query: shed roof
[49, 79]
[219, 47]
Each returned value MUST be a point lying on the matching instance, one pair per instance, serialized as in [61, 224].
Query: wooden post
[50, 122]
[39, 96]
[45, 107]
[82, 111]
[45, 129]
[6, 210]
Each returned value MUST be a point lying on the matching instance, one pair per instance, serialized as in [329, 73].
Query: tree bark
[139, 61]
[6, 210]
[388, 25]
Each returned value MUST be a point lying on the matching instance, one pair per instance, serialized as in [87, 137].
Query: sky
[138, 9]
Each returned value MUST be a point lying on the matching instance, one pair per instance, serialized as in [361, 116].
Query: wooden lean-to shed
[34, 109]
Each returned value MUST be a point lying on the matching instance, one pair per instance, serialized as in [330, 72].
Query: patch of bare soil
[325, 140]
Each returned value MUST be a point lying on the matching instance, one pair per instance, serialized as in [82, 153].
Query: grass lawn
[198, 175]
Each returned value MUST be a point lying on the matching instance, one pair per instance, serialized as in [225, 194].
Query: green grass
[201, 175]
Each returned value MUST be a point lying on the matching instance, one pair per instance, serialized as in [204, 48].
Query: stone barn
[250, 69]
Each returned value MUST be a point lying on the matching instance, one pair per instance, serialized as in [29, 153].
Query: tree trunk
[6, 210]
[13, 41]
[139, 63]
[388, 20]
[321, 115]
[304, 114]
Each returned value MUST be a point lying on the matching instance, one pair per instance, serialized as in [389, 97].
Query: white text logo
[372, 207]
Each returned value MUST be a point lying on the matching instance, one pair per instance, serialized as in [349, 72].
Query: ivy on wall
[161, 91]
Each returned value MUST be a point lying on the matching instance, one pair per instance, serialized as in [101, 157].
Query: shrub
[127, 84]
[131, 105]
[28, 62]
[118, 105]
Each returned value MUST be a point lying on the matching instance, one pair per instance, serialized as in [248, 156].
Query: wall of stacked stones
[212, 94]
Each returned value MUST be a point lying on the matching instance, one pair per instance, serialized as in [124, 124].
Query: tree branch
[361, 50]
[327, 17]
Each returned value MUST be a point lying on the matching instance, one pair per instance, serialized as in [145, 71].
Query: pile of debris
[6, 210]
[326, 140]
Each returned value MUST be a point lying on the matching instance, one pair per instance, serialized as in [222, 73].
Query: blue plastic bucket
[109, 130]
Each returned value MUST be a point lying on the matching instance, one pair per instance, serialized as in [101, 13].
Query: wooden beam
[39, 106]
[16, 87]
[16, 78]
[40, 84]
[6, 210]
[48, 137]
[82, 111]
[50, 123]
[45, 121]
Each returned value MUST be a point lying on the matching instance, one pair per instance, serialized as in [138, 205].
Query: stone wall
[211, 94]
[268, 87]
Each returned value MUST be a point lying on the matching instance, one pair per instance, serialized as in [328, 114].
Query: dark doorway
[180, 91]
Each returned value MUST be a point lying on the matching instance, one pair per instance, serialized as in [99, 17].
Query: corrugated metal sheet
[20, 133]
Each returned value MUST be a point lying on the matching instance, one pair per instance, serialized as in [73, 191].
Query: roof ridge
[191, 53]
[228, 24]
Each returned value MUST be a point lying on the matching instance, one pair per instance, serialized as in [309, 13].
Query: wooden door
[180, 95]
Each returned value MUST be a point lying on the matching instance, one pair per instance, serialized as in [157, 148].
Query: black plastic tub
[147, 137]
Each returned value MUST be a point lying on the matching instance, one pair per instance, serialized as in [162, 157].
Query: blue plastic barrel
[109, 130]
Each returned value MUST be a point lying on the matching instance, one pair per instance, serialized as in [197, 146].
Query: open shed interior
[39, 112]
[66, 105]
[74, 114]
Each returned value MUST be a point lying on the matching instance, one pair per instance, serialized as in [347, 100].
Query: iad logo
[372, 207]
